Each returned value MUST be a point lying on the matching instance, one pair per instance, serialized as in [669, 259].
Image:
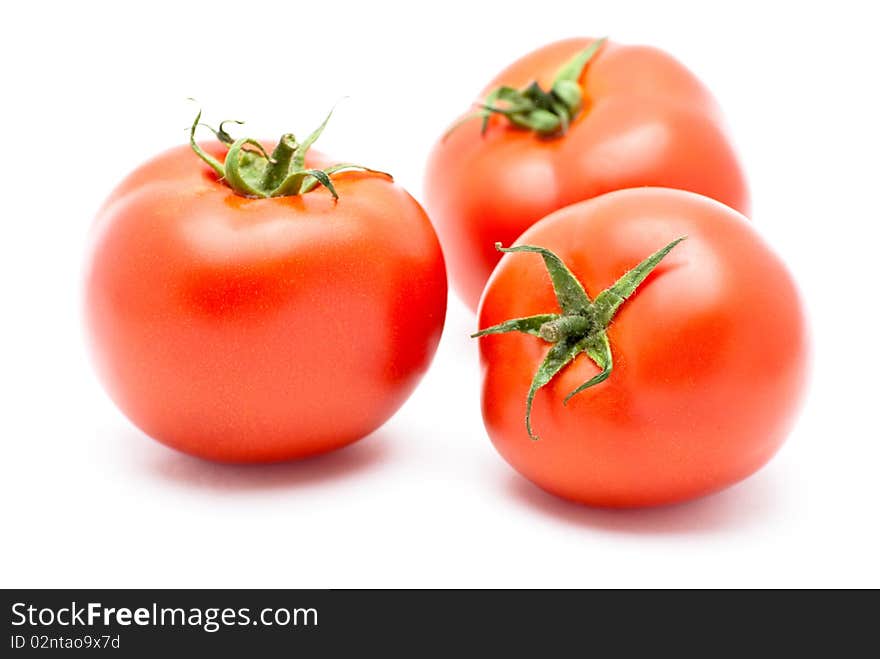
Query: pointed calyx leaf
[252, 172]
[529, 325]
[582, 325]
[571, 295]
[547, 113]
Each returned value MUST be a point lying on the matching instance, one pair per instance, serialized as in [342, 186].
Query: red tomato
[252, 330]
[709, 353]
[643, 120]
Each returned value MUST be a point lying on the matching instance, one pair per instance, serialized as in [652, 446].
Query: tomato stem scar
[582, 325]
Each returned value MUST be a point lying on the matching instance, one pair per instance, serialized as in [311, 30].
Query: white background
[92, 90]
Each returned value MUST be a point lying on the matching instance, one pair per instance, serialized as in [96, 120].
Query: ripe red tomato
[261, 329]
[637, 118]
[707, 356]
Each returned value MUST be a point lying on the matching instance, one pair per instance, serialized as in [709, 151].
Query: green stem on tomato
[547, 113]
[250, 171]
[581, 327]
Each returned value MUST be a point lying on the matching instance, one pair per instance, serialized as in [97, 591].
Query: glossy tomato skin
[258, 330]
[709, 354]
[647, 121]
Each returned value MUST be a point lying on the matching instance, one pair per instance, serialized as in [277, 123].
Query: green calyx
[252, 172]
[582, 325]
[547, 113]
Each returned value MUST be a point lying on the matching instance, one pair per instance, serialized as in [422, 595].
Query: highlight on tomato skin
[708, 353]
[261, 315]
[545, 134]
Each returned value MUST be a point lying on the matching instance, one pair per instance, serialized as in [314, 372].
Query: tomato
[636, 117]
[245, 329]
[706, 360]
